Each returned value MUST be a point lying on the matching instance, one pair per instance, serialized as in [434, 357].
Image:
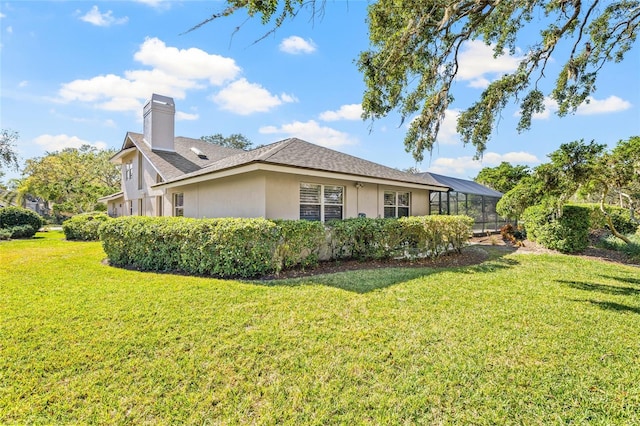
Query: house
[164, 175]
[469, 198]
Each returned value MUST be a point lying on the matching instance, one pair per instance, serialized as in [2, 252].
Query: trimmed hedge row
[18, 222]
[84, 226]
[246, 248]
[567, 233]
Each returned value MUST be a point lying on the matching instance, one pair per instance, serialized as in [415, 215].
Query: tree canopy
[415, 48]
[72, 179]
[503, 177]
[581, 169]
[8, 157]
[235, 140]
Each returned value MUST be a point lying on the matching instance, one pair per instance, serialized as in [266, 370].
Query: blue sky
[75, 72]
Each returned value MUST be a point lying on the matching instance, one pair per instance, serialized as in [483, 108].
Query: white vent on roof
[199, 153]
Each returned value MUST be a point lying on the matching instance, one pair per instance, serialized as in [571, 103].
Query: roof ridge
[274, 149]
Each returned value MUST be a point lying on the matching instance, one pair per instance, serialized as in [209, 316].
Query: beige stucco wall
[143, 199]
[283, 196]
[235, 196]
[277, 196]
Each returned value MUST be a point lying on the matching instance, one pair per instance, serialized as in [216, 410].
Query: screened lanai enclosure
[469, 198]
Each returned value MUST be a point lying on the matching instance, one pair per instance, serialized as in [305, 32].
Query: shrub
[216, 247]
[364, 238]
[513, 234]
[5, 234]
[84, 226]
[434, 235]
[620, 217]
[23, 223]
[256, 247]
[301, 242]
[568, 233]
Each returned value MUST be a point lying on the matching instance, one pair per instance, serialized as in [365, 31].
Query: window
[140, 171]
[321, 202]
[128, 170]
[178, 204]
[396, 204]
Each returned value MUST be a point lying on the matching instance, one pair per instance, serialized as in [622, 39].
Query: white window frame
[178, 204]
[396, 203]
[128, 170]
[323, 202]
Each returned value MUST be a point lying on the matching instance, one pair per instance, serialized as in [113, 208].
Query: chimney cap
[162, 99]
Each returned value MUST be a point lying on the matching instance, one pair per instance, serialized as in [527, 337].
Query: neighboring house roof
[297, 153]
[111, 197]
[462, 185]
[184, 160]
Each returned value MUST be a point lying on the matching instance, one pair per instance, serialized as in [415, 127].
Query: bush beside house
[231, 247]
[84, 226]
[18, 222]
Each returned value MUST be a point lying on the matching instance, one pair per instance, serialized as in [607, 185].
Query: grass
[521, 339]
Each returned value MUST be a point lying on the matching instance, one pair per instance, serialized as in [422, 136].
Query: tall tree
[236, 140]
[572, 167]
[8, 157]
[72, 179]
[415, 50]
[503, 177]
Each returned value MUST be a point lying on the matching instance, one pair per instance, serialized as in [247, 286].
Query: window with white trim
[321, 202]
[128, 170]
[396, 204]
[178, 204]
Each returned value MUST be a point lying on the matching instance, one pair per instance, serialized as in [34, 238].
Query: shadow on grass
[623, 279]
[367, 280]
[611, 306]
[601, 288]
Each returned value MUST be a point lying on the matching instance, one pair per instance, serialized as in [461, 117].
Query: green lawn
[522, 339]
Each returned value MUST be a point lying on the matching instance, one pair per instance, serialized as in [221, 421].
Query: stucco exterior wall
[236, 196]
[141, 199]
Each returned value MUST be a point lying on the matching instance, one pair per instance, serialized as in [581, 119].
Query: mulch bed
[471, 255]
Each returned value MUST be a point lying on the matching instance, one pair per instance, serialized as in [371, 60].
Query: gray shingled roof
[297, 153]
[462, 185]
[172, 165]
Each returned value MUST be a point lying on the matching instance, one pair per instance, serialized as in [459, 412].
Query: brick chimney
[159, 127]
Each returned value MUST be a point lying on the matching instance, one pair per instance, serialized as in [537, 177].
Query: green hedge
[20, 222]
[434, 235]
[620, 217]
[84, 226]
[257, 247]
[567, 233]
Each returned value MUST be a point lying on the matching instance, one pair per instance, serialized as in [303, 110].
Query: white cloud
[2, 15]
[185, 116]
[190, 63]
[296, 45]
[106, 19]
[592, 107]
[58, 142]
[10, 29]
[23, 83]
[610, 104]
[345, 112]
[174, 72]
[478, 66]
[156, 3]
[311, 131]
[448, 135]
[244, 98]
[467, 167]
